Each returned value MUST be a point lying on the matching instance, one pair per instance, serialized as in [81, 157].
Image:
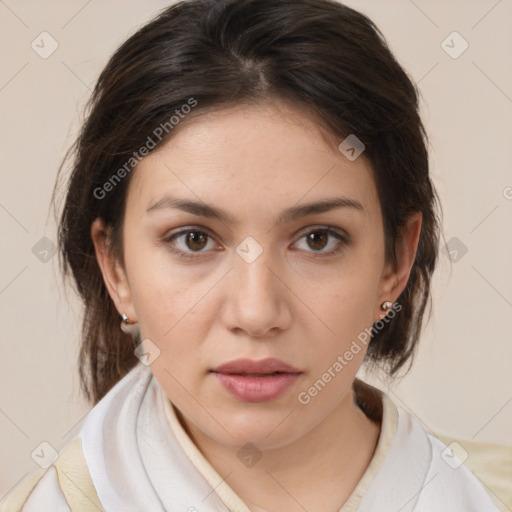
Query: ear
[113, 272]
[394, 278]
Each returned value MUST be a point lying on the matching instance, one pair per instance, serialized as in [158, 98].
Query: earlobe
[113, 273]
[394, 278]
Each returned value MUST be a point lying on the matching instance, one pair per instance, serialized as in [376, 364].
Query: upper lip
[263, 366]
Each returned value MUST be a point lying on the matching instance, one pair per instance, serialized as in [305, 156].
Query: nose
[258, 298]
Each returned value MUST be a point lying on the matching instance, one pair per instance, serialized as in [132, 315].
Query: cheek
[161, 292]
[347, 316]
[346, 299]
[335, 358]
[345, 304]
[172, 308]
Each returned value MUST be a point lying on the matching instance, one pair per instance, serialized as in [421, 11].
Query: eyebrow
[290, 214]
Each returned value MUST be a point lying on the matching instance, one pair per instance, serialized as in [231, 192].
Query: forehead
[251, 160]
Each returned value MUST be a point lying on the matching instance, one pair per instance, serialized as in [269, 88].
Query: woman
[250, 195]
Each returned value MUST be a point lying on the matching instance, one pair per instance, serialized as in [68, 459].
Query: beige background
[461, 383]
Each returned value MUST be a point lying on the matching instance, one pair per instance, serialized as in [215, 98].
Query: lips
[256, 368]
[256, 381]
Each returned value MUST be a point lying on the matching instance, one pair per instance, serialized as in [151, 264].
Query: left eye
[318, 240]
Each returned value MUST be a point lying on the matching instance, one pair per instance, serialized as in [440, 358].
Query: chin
[266, 429]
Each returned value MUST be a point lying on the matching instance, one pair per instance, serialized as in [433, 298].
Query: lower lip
[257, 389]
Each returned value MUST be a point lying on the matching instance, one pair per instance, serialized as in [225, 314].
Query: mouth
[245, 374]
[250, 367]
[256, 381]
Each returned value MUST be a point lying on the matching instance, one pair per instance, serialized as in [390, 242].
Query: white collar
[137, 463]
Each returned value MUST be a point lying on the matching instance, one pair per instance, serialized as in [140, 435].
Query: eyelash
[344, 240]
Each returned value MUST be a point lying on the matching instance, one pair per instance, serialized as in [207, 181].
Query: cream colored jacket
[132, 454]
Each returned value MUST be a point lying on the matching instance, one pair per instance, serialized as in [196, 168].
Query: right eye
[188, 242]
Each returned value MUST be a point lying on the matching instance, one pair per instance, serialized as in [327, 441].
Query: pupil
[195, 237]
[318, 237]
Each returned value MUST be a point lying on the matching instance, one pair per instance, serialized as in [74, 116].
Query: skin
[290, 302]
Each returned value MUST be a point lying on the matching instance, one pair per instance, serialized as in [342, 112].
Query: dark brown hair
[328, 59]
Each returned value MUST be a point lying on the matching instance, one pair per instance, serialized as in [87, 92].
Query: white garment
[137, 463]
[47, 492]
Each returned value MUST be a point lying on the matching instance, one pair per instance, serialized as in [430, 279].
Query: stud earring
[386, 305]
[129, 327]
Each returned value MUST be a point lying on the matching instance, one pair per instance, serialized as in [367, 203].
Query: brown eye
[196, 240]
[317, 239]
[324, 241]
[189, 243]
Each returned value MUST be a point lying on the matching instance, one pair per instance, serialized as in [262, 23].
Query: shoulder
[447, 484]
[65, 486]
[38, 488]
[415, 474]
[451, 485]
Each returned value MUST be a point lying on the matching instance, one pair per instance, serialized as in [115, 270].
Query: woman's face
[242, 270]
